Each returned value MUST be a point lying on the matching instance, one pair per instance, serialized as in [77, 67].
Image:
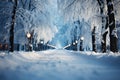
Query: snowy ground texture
[59, 65]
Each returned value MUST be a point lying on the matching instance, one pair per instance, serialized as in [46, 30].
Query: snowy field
[59, 65]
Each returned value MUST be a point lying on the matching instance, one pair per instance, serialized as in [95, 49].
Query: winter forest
[59, 39]
[61, 23]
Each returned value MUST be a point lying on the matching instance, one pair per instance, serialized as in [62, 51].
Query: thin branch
[70, 4]
[115, 4]
[99, 2]
[23, 3]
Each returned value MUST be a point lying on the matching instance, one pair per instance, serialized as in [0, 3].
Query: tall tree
[112, 27]
[12, 26]
[93, 39]
[104, 24]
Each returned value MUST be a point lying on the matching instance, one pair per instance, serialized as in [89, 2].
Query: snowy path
[58, 65]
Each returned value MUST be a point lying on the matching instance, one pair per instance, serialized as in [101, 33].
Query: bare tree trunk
[112, 27]
[104, 37]
[93, 39]
[104, 27]
[11, 39]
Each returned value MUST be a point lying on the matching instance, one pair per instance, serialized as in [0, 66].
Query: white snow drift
[58, 65]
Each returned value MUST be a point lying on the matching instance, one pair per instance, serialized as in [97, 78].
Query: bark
[11, 39]
[93, 39]
[112, 27]
[103, 42]
[104, 37]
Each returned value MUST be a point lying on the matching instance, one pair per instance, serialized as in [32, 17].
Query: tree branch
[70, 4]
[115, 4]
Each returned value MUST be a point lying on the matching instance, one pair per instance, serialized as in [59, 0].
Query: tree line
[108, 25]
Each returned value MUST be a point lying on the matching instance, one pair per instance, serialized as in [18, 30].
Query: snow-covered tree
[82, 10]
[94, 39]
[72, 19]
[117, 18]
[5, 20]
[102, 4]
[12, 26]
[36, 15]
[112, 26]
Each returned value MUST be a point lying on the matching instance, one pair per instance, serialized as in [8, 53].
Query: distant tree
[112, 27]
[12, 26]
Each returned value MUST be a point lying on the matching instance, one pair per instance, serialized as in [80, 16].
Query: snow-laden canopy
[55, 20]
[38, 19]
[86, 12]
[5, 18]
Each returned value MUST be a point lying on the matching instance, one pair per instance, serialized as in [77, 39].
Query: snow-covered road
[58, 65]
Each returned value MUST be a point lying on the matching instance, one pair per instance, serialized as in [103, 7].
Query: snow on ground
[58, 65]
